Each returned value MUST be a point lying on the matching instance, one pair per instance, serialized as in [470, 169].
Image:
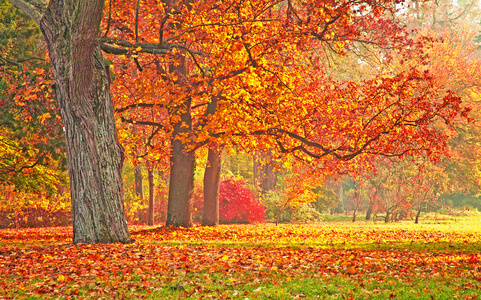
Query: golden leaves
[163, 255]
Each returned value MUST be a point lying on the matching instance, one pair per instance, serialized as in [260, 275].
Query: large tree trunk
[182, 164]
[150, 171]
[182, 160]
[210, 215]
[181, 186]
[270, 178]
[95, 158]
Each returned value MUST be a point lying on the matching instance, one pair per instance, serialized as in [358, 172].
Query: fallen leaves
[117, 270]
[323, 234]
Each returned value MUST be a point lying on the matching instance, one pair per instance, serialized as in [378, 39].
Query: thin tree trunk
[418, 213]
[210, 215]
[150, 171]
[386, 219]
[139, 188]
[95, 158]
[354, 216]
[139, 183]
[256, 173]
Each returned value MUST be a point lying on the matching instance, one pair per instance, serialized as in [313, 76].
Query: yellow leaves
[61, 278]
[43, 117]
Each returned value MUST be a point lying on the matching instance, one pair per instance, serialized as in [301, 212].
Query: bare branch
[137, 105]
[6, 62]
[146, 123]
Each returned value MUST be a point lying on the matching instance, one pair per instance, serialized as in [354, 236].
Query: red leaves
[116, 270]
[237, 204]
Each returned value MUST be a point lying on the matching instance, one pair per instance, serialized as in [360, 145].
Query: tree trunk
[95, 158]
[354, 216]
[210, 215]
[139, 184]
[182, 164]
[150, 171]
[270, 178]
[182, 159]
[139, 188]
[179, 207]
[265, 175]
[340, 193]
[418, 213]
[369, 213]
[386, 219]
[256, 173]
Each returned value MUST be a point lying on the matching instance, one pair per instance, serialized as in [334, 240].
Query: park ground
[437, 259]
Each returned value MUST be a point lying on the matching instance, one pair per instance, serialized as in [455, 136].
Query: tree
[455, 58]
[95, 158]
[31, 154]
[150, 175]
[210, 210]
[259, 67]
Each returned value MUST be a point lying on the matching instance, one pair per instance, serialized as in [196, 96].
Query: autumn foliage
[237, 203]
[183, 263]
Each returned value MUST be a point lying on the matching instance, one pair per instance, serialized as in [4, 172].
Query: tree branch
[32, 8]
[6, 62]
[147, 123]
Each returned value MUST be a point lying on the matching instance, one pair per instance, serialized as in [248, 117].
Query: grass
[437, 259]
[317, 287]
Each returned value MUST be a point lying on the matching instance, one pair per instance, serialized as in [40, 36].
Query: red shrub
[237, 204]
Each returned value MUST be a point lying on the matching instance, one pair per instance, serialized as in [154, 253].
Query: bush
[304, 212]
[280, 211]
[19, 209]
[237, 203]
[276, 208]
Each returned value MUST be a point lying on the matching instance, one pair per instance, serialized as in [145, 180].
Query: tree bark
[95, 158]
[182, 166]
[369, 213]
[210, 214]
[139, 183]
[181, 185]
[270, 178]
[150, 171]
[418, 213]
[182, 160]
[265, 175]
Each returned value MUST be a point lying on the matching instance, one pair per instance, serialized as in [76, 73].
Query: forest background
[262, 175]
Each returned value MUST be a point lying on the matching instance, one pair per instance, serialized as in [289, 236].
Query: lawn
[438, 259]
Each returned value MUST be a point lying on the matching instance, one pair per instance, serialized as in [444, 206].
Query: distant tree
[31, 148]
[261, 81]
